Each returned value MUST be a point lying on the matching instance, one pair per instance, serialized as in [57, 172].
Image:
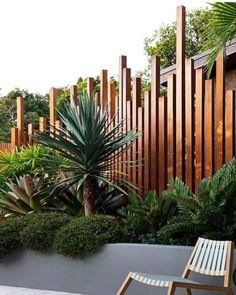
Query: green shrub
[39, 234]
[10, 235]
[86, 234]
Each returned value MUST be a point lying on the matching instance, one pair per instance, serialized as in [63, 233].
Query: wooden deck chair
[211, 258]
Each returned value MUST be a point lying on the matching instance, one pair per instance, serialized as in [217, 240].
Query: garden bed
[96, 274]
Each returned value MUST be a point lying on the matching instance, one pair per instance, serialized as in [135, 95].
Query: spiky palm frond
[220, 30]
[89, 142]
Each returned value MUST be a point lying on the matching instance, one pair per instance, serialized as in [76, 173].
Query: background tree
[35, 105]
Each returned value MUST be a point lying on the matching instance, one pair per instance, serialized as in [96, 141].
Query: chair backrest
[213, 258]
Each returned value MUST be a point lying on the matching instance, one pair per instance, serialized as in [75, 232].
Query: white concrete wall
[97, 274]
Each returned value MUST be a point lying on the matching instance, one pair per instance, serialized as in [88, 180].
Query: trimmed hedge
[39, 234]
[86, 235]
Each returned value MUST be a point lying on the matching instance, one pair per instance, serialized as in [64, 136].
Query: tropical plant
[91, 145]
[220, 30]
[25, 196]
[149, 214]
[211, 211]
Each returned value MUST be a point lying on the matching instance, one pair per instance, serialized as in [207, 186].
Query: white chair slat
[213, 267]
[219, 258]
[224, 255]
[206, 258]
[201, 256]
[195, 259]
[209, 263]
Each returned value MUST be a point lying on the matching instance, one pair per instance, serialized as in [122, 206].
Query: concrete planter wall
[97, 274]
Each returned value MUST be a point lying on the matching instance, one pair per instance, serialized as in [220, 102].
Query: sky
[50, 43]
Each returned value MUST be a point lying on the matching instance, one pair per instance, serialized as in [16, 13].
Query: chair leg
[188, 292]
[171, 289]
[125, 285]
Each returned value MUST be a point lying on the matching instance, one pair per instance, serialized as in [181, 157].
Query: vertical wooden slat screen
[20, 119]
[189, 123]
[58, 125]
[171, 125]
[220, 104]
[97, 99]
[112, 100]
[199, 127]
[136, 101]
[42, 124]
[229, 125]
[122, 65]
[155, 93]
[52, 106]
[90, 87]
[162, 143]
[209, 128]
[73, 96]
[140, 154]
[129, 128]
[180, 93]
[30, 133]
[147, 127]
[14, 138]
[104, 88]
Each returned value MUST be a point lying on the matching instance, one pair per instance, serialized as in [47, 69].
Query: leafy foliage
[39, 234]
[91, 145]
[86, 235]
[149, 214]
[220, 30]
[211, 212]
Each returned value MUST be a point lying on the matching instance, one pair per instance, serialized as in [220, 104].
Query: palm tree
[92, 146]
[220, 30]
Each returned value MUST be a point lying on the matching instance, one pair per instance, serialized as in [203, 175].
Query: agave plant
[92, 146]
[211, 211]
[25, 196]
[220, 30]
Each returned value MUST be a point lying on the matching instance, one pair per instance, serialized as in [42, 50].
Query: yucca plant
[220, 30]
[25, 196]
[211, 211]
[91, 144]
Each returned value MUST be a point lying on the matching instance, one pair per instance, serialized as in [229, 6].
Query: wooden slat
[136, 101]
[104, 88]
[189, 123]
[112, 100]
[171, 127]
[155, 93]
[30, 133]
[180, 92]
[140, 153]
[220, 102]
[229, 125]
[122, 65]
[97, 99]
[58, 125]
[42, 124]
[73, 96]
[20, 119]
[199, 128]
[14, 138]
[90, 87]
[129, 128]
[162, 143]
[52, 106]
[209, 129]
[147, 125]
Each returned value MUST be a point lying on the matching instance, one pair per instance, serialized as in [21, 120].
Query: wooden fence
[190, 133]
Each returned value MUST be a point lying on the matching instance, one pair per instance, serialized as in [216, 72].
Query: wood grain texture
[229, 125]
[189, 123]
[20, 119]
[104, 88]
[199, 127]
[31, 128]
[14, 138]
[122, 65]
[73, 96]
[129, 152]
[42, 124]
[162, 143]
[140, 151]
[155, 93]
[180, 92]
[171, 127]
[220, 111]
[112, 100]
[90, 88]
[209, 128]
[52, 107]
[147, 133]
